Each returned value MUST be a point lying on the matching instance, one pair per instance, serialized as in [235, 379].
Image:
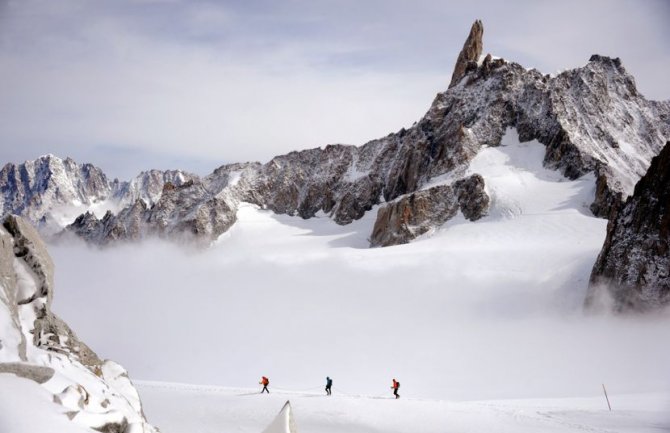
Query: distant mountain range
[591, 119]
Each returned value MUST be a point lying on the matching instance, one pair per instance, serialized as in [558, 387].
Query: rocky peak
[148, 186]
[633, 267]
[470, 53]
[34, 188]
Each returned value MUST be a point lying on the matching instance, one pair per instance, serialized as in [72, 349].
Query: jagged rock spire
[471, 51]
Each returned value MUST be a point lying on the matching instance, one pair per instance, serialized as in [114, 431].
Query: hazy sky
[137, 84]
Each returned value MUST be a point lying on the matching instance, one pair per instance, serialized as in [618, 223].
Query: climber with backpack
[395, 387]
[265, 382]
[329, 384]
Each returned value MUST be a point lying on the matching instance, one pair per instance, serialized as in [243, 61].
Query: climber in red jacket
[265, 382]
[395, 387]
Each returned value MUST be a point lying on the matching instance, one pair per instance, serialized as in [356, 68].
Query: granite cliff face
[634, 264]
[37, 345]
[414, 214]
[591, 119]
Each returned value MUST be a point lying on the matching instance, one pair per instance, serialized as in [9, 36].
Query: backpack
[397, 385]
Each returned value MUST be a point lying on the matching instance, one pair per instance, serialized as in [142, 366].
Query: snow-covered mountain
[38, 190]
[38, 346]
[51, 192]
[591, 119]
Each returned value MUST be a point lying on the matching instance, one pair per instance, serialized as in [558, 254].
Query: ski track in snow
[471, 311]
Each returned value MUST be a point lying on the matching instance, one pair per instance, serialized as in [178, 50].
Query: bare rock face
[634, 265]
[37, 345]
[470, 53]
[415, 214]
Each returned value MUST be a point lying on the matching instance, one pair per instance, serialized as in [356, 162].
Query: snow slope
[186, 409]
[471, 311]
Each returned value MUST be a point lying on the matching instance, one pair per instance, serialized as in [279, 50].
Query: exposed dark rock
[469, 55]
[606, 202]
[634, 265]
[472, 198]
[413, 215]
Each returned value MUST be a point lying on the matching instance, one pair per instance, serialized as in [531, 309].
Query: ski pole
[607, 398]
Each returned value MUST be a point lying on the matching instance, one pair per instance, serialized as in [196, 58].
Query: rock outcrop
[469, 55]
[633, 267]
[472, 197]
[37, 345]
[415, 214]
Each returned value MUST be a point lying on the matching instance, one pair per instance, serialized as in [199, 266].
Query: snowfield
[188, 409]
[483, 311]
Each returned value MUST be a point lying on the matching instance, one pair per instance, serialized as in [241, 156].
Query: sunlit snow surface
[472, 311]
[187, 409]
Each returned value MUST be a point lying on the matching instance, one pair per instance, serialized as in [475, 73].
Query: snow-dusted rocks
[593, 119]
[634, 264]
[37, 346]
[148, 186]
[189, 211]
[35, 188]
[50, 192]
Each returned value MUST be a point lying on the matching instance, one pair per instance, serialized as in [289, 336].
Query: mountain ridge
[591, 119]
